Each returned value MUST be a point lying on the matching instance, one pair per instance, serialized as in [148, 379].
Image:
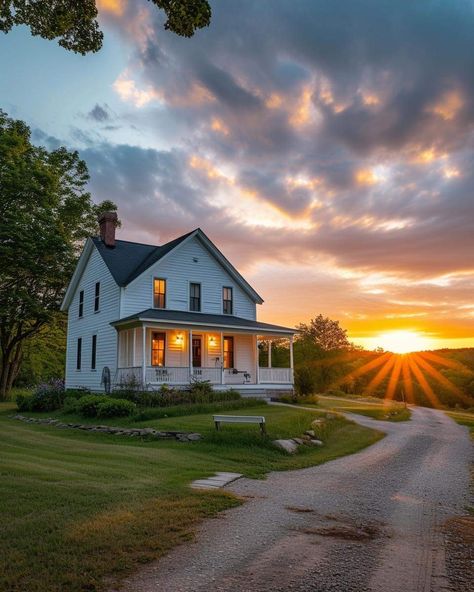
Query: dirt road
[366, 522]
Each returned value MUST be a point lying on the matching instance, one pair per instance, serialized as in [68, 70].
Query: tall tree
[324, 333]
[75, 24]
[45, 214]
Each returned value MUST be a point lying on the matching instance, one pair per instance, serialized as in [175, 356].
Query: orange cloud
[219, 126]
[115, 7]
[127, 90]
[302, 113]
[449, 106]
[366, 177]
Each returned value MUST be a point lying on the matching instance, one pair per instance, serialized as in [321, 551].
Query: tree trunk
[10, 368]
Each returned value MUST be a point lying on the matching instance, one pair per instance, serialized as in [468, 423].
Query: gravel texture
[372, 521]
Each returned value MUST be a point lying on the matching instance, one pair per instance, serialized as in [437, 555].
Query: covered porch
[153, 354]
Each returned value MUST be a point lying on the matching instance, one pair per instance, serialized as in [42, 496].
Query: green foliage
[166, 396]
[48, 396]
[45, 214]
[71, 405]
[75, 24]
[325, 333]
[88, 406]
[305, 380]
[23, 402]
[115, 408]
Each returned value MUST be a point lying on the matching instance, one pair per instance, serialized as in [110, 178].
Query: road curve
[370, 521]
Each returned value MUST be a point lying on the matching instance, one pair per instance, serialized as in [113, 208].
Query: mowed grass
[369, 406]
[80, 510]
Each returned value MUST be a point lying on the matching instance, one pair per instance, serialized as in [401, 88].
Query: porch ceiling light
[212, 340]
[179, 339]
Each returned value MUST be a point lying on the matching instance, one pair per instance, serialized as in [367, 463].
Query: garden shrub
[305, 381]
[110, 407]
[166, 396]
[48, 396]
[23, 402]
[78, 393]
[71, 405]
[88, 406]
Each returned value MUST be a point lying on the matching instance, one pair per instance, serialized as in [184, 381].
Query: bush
[48, 396]
[115, 408]
[71, 405]
[166, 396]
[88, 406]
[336, 393]
[305, 381]
[23, 402]
[78, 393]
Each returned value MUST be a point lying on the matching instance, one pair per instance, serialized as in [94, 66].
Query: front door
[197, 352]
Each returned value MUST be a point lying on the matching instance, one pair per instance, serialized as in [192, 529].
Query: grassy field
[82, 509]
[369, 406]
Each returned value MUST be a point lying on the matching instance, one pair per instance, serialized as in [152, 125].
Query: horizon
[337, 181]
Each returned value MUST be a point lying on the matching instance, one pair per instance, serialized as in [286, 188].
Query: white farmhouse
[164, 315]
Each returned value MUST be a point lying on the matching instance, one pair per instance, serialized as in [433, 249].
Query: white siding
[92, 323]
[179, 269]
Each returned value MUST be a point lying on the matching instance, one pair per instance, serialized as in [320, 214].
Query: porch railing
[129, 375]
[167, 375]
[213, 375]
[275, 375]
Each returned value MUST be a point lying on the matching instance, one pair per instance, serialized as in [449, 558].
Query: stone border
[148, 433]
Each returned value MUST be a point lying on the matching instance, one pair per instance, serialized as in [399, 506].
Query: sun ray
[454, 364]
[407, 380]
[436, 374]
[394, 378]
[363, 369]
[381, 374]
[423, 383]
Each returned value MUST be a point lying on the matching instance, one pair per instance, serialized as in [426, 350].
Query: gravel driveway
[370, 521]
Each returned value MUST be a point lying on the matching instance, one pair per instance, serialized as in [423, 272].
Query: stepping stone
[217, 481]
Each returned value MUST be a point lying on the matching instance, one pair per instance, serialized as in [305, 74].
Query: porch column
[269, 353]
[257, 361]
[144, 355]
[134, 357]
[190, 351]
[291, 356]
[222, 358]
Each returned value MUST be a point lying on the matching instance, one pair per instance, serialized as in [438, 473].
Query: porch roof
[181, 317]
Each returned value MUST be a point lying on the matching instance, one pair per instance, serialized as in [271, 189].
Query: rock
[194, 437]
[298, 440]
[310, 433]
[317, 422]
[316, 442]
[286, 445]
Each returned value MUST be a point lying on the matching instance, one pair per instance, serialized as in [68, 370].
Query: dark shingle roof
[128, 260]
[184, 317]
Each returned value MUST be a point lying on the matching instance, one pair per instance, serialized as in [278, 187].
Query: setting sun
[403, 342]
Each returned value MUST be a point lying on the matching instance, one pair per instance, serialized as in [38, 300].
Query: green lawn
[369, 406]
[79, 508]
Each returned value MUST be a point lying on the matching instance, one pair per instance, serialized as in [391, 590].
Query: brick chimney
[107, 223]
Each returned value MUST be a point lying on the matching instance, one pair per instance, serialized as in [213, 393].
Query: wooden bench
[218, 419]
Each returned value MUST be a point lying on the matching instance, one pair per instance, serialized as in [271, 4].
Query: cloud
[99, 113]
[333, 143]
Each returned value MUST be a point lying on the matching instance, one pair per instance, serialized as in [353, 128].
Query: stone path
[218, 480]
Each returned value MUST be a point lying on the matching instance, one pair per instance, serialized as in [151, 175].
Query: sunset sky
[326, 147]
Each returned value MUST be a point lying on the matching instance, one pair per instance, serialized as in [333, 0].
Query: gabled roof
[128, 260]
[181, 317]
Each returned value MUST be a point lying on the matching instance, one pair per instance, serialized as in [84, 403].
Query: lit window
[228, 352]
[158, 342]
[97, 297]
[227, 300]
[159, 293]
[195, 297]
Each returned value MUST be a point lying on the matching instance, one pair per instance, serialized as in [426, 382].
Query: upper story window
[227, 298]
[97, 297]
[159, 293]
[81, 303]
[195, 297]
